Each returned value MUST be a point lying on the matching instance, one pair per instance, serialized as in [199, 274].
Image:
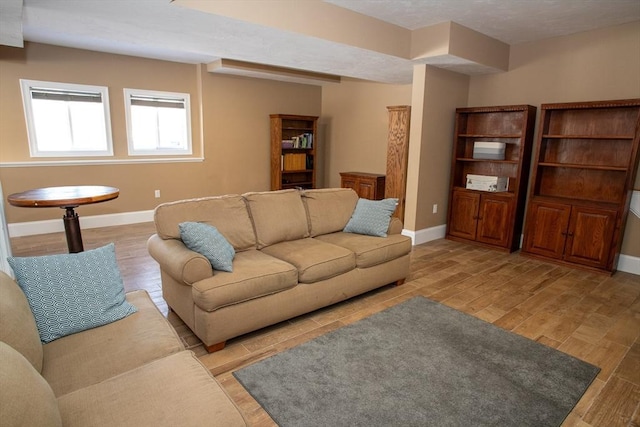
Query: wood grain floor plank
[607, 355]
[615, 405]
[629, 368]
[625, 330]
[512, 319]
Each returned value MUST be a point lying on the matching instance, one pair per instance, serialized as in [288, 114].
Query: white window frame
[158, 95]
[28, 85]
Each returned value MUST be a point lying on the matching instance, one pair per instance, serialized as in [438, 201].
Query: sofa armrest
[179, 262]
[395, 226]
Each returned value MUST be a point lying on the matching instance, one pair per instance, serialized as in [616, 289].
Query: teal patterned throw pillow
[70, 293]
[371, 217]
[207, 240]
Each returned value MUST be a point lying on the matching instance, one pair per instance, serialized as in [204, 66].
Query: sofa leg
[215, 347]
[400, 282]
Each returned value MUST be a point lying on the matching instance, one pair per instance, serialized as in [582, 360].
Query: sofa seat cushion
[314, 259]
[174, 391]
[255, 274]
[370, 250]
[91, 356]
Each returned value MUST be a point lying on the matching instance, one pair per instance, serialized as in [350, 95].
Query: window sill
[80, 162]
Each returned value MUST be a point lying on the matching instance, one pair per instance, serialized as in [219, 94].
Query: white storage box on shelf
[487, 183]
[490, 150]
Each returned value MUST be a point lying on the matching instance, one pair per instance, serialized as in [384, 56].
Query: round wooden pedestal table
[67, 198]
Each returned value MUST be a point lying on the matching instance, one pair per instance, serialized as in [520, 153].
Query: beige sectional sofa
[131, 372]
[291, 257]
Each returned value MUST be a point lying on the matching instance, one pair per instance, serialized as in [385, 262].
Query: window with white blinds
[67, 120]
[158, 123]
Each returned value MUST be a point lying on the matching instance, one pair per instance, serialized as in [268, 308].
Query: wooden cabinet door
[464, 214]
[590, 236]
[366, 185]
[494, 220]
[367, 190]
[350, 182]
[547, 225]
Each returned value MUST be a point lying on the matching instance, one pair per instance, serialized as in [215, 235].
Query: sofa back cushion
[329, 209]
[278, 216]
[26, 399]
[227, 213]
[17, 324]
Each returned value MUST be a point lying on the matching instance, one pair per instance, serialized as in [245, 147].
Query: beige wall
[433, 117]
[354, 126]
[595, 65]
[355, 123]
[235, 126]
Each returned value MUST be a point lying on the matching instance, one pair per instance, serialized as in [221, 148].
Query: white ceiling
[161, 30]
[510, 21]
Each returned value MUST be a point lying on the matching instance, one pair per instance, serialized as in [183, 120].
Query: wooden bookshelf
[584, 168]
[293, 151]
[490, 218]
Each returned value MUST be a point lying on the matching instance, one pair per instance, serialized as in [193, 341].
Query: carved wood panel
[398, 155]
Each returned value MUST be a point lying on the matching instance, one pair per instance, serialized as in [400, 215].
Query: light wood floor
[593, 317]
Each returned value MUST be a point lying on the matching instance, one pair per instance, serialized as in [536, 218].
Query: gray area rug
[419, 363]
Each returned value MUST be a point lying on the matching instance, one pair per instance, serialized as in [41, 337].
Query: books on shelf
[294, 161]
[304, 140]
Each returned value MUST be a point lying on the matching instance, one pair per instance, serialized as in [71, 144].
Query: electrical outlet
[157, 194]
[435, 208]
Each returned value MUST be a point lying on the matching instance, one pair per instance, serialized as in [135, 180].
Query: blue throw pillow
[70, 293]
[371, 217]
[207, 240]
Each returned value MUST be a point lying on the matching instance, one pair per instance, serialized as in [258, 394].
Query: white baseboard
[426, 235]
[19, 229]
[629, 264]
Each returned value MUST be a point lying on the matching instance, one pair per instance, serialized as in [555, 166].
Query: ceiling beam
[261, 71]
[11, 23]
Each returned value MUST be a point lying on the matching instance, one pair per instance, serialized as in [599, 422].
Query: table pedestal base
[72, 230]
